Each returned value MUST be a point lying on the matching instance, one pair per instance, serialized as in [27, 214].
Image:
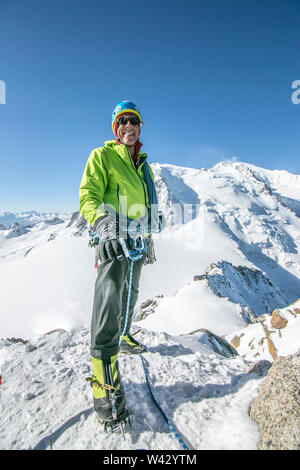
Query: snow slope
[205, 394]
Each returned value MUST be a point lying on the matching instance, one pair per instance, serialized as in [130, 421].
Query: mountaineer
[119, 201]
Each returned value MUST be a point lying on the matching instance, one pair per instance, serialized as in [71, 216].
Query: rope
[134, 257]
[128, 301]
[179, 439]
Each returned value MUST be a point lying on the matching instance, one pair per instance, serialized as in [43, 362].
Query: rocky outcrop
[149, 307]
[54, 221]
[259, 368]
[271, 336]
[218, 344]
[248, 287]
[79, 223]
[235, 342]
[16, 230]
[276, 409]
[277, 320]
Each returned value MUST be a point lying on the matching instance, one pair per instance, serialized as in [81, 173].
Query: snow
[233, 260]
[205, 395]
[193, 306]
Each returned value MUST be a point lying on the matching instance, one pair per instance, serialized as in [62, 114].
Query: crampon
[117, 423]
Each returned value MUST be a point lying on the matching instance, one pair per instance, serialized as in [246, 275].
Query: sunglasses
[134, 120]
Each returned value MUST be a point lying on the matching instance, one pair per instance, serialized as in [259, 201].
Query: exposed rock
[149, 306]
[28, 251]
[30, 348]
[269, 336]
[200, 277]
[29, 396]
[235, 342]
[74, 218]
[79, 223]
[272, 348]
[52, 237]
[277, 320]
[247, 287]
[276, 409]
[17, 340]
[54, 221]
[260, 367]
[57, 330]
[217, 343]
[16, 230]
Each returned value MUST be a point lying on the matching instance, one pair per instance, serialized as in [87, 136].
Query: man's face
[128, 133]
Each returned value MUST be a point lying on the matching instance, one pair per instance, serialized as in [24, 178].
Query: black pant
[110, 301]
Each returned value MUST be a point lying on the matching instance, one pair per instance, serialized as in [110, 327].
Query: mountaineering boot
[129, 345]
[108, 393]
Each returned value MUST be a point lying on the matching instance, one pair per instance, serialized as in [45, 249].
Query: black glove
[110, 246]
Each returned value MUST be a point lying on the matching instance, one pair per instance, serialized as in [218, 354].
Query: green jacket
[111, 177]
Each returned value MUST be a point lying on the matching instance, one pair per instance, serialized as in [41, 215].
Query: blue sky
[212, 79]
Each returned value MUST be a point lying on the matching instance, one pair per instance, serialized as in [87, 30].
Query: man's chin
[129, 143]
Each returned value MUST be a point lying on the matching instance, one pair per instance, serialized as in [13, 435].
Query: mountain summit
[222, 295]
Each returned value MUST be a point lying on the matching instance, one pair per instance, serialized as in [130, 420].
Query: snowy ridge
[247, 286]
[246, 204]
[235, 295]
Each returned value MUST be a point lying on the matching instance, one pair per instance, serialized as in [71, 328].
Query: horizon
[71, 211]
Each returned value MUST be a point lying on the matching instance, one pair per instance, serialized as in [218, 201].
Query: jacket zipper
[118, 197]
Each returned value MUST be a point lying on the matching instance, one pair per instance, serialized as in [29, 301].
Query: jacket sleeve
[92, 187]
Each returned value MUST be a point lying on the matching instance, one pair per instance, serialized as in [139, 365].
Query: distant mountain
[257, 209]
[30, 218]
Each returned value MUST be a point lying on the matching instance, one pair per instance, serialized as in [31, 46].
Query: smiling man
[128, 131]
[116, 190]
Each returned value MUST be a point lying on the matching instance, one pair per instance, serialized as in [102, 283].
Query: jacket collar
[123, 152]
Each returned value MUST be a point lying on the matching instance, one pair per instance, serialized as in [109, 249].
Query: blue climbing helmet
[124, 107]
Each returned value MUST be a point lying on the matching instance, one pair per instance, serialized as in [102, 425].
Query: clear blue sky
[212, 79]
